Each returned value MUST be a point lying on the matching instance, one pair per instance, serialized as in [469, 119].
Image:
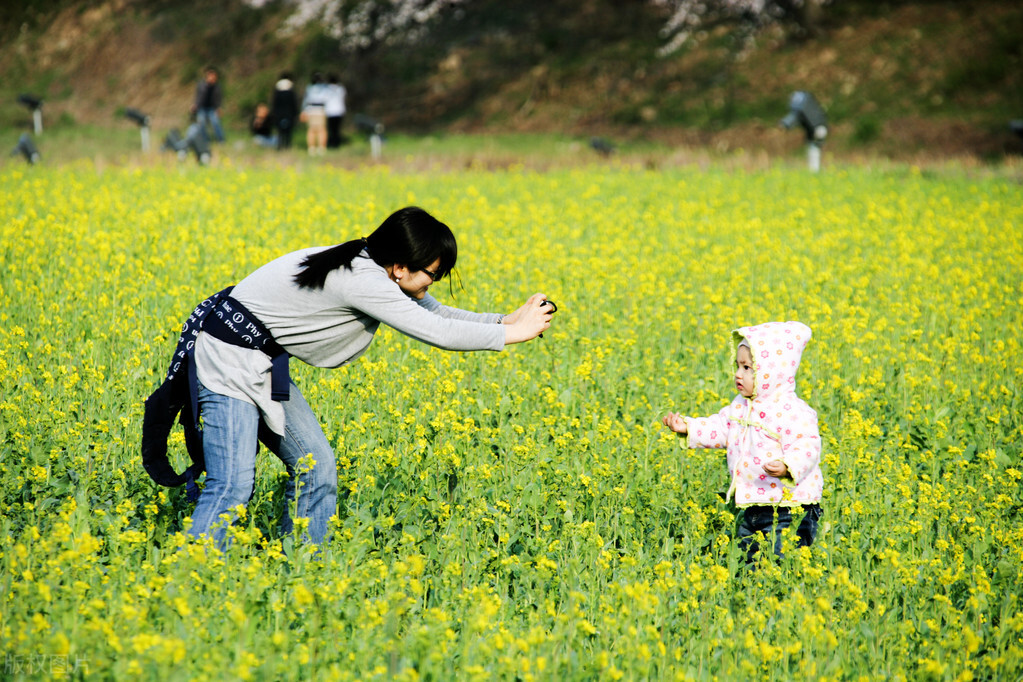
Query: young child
[770, 434]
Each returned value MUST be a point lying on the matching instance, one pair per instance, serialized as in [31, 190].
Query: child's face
[744, 378]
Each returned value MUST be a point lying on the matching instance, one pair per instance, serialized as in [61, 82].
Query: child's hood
[777, 348]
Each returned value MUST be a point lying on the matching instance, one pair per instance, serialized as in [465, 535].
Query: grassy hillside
[897, 79]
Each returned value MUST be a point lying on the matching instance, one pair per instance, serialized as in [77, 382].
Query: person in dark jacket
[334, 107]
[208, 99]
[284, 109]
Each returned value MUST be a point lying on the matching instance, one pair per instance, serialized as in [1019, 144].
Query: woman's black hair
[410, 236]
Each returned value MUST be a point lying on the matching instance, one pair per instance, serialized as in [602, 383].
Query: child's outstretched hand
[676, 423]
[776, 468]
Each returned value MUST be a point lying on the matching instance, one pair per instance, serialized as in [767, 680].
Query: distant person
[284, 109]
[262, 127]
[208, 99]
[335, 110]
[314, 115]
[770, 435]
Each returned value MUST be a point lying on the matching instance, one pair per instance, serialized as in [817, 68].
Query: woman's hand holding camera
[530, 320]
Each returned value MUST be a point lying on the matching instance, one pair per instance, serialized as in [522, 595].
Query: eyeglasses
[433, 275]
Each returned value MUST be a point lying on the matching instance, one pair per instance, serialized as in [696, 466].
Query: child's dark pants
[761, 518]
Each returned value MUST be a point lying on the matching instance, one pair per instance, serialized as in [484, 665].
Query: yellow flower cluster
[523, 514]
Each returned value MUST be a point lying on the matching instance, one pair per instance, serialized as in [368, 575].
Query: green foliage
[996, 61]
[867, 129]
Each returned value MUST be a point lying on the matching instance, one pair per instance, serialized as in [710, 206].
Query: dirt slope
[912, 79]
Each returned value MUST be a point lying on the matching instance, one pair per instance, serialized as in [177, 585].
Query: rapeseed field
[524, 515]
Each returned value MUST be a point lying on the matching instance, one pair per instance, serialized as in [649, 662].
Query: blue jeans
[204, 116]
[761, 519]
[268, 141]
[229, 435]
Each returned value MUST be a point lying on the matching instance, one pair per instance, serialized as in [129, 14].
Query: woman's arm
[530, 320]
[377, 296]
[451, 312]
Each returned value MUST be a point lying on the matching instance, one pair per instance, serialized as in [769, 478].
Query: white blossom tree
[359, 25]
[690, 16]
[363, 27]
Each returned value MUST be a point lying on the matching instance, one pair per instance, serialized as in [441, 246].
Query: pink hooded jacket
[774, 424]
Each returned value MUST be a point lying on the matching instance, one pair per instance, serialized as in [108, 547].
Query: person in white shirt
[314, 115]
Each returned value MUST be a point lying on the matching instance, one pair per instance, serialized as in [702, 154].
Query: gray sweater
[330, 327]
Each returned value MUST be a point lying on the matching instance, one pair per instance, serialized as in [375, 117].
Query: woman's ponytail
[410, 236]
[316, 267]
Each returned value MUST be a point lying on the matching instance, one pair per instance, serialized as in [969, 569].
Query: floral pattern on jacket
[774, 424]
